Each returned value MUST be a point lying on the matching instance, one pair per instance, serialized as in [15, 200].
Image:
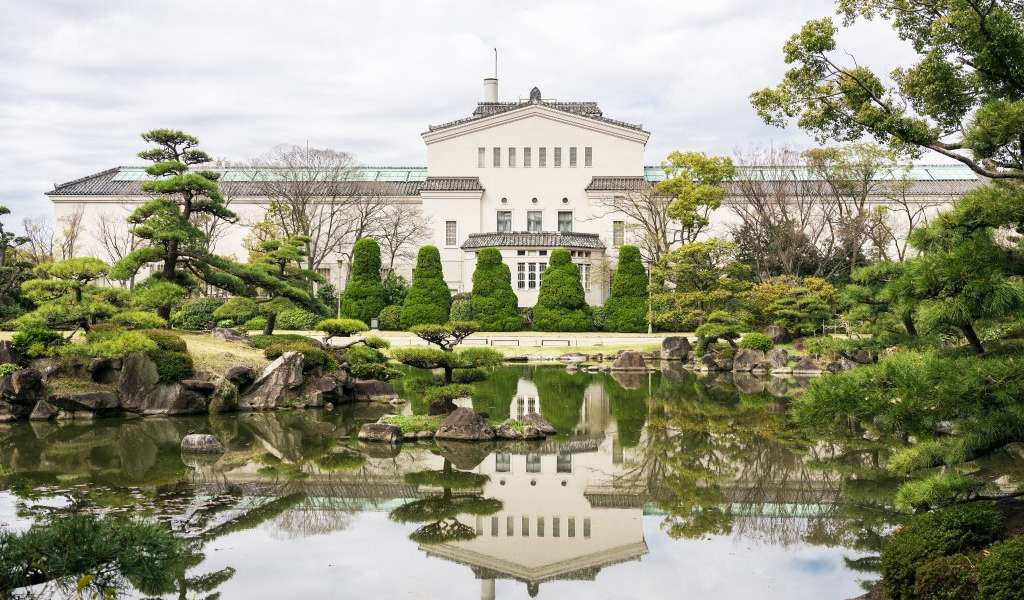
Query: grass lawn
[213, 354]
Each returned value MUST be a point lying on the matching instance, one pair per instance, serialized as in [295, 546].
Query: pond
[660, 485]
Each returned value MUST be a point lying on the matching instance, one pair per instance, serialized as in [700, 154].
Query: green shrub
[328, 295]
[264, 341]
[561, 303]
[166, 339]
[196, 314]
[314, 357]
[7, 368]
[626, 307]
[756, 341]
[493, 303]
[365, 362]
[935, 490]
[340, 327]
[390, 318]
[999, 574]
[469, 375]
[364, 294]
[172, 366]
[113, 344]
[297, 319]
[35, 342]
[447, 393]
[462, 307]
[931, 535]
[395, 289]
[238, 309]
[429, 300]
[139, 319]
[947, 578]
[720, 325]
[376, 342]
[257, 323]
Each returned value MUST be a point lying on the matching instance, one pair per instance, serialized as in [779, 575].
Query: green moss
[413, 423]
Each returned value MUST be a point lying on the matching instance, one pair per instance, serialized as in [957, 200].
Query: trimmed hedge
[341, 327]
[561, 304]
[947, 578]
[999, 574]
[364, 294]
[173, 362]
[297, 319]
[428, 301]
[314, 356]
[494, 304]
[626, 307]
[197, 314]
[139, 319]
[238, 309]
[390, 318]
[756, 341]
[264, 341]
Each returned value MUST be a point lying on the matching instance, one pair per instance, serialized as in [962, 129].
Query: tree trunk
[448, 371]
[268, 329]
[908, 324]
[972, 338]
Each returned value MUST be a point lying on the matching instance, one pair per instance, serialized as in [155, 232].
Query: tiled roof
[523, 239]
[452, 184]
[616, 184]
[248, 181]
[589, 110]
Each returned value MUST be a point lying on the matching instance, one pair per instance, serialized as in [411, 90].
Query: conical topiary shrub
[428, 300]
[495, 306]
[626, 308]
[561, 304]
[364, 294]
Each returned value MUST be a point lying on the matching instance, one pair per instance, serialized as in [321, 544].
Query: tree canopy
[493, 301]
[428, 300]
[364, 294]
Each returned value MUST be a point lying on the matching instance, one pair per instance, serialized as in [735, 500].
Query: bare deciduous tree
[646, 213]
[71, 226]
[401, 229]
[114, 236]
[41, 239]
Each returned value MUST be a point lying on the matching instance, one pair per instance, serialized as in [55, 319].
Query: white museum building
[525, 176]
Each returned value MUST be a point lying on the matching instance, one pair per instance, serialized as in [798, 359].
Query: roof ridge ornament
[535, 95]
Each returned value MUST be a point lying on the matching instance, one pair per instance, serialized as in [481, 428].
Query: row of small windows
[534, 221]
[542, 157]
[529, 275]
[503, 462]
[537, 525]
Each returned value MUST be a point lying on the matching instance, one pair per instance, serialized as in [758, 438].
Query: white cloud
[79, 81]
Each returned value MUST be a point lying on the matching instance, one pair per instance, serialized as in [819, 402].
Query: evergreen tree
[364, 294]
[494, 303]
[428, 301]
[166, 224]
[626, 308]
[67, 297]
[561, 304]
[13, 270]
[283, 266]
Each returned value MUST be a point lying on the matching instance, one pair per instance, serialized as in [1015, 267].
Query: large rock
[43, 411]
[676, 347]
[777, 334]
[542, 424]
[241, 377]
[441, 407]
[630, 360]
[141, 391]
[276, 386]
[747, 383]
[516, 430]
[372, 390]
[805, 365]
[327, 389]
[777, 358]
[7, 353]
[202, 443]
[380, 432]
[230, 335]
[104, 370]
[746, 359]
[101, 403]
[23, 387]
[464, 424]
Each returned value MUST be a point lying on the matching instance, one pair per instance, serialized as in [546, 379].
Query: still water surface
[661, 486]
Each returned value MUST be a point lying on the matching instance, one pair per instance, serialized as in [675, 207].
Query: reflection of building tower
[555, 522]
[526, 401]
[596, 411]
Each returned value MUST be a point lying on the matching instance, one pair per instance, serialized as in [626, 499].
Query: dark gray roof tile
[523, 239]
[452, 184]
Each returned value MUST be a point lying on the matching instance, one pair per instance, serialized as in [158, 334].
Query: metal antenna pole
[495, 63]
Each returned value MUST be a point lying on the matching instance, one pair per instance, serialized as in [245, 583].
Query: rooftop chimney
[491, 89]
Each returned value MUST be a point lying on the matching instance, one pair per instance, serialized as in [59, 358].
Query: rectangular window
[584, 275]
[532, 275]
[586, 527]
[494, 526]
[526, 158]
[534, 221]
[521, 276]
[556, 526]
[564, 463]
[526, 526]
[450, 230]
[510, 526]
[533, 463]
[481, 157]
[504, 221]
[588, 157]
[497, 157]
[558, 156]
[618, 233]
[565, 221]
[540, 526]
[572, 527]
[503, 462]
[572, 157]
[540, 273]
[542, 157]
[512, 158]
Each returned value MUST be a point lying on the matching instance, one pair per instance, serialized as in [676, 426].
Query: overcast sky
[80, 80]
